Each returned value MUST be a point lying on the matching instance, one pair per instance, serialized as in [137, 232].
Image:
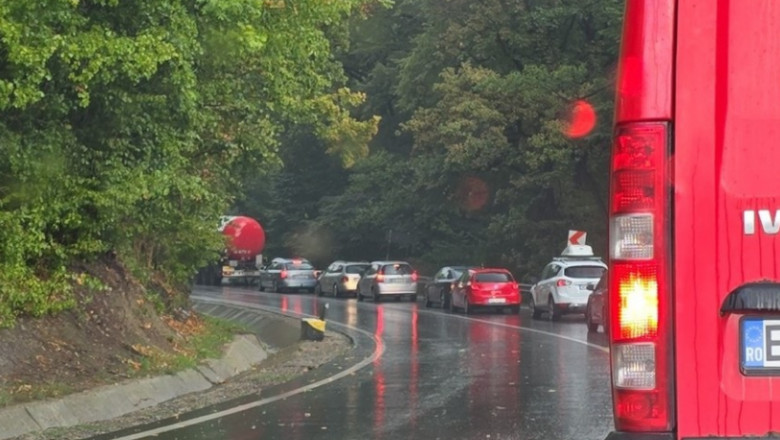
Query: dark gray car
[438, 290]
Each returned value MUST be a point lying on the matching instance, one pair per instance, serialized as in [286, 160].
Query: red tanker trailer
[242, 257]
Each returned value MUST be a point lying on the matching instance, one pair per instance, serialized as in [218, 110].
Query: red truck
[242, 257]
[694, 270]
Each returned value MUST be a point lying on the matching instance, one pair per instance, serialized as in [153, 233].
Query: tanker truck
[242, 257]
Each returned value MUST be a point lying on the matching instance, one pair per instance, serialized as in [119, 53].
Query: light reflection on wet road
[441, 376]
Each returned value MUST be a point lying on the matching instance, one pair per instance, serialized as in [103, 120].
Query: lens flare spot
[472, 194]
[581, 119]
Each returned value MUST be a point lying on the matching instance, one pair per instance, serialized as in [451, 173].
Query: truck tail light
[639, 293]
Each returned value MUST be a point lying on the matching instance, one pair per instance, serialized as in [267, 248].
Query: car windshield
[492, 277]
[357, 268]
[584, 272]
[298, 266]
[397, 269]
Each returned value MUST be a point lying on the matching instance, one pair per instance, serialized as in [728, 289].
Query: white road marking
[378, 350]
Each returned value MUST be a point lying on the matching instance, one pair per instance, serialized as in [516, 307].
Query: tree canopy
[127, 128]
[440, 132]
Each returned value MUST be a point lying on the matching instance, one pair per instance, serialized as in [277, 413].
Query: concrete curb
[111, 401]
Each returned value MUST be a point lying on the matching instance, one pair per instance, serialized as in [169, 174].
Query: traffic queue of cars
[575, 282]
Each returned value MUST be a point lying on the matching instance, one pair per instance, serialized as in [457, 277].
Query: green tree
[127, 128]
[486, 90]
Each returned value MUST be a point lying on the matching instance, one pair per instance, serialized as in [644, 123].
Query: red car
[485, 287]
[596, 309]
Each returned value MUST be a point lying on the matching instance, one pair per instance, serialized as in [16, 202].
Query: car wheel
[553, 314]
[317, 290]
[451, 306]
[443, 303]
[413, 298]
[275, 287]
[592, 326]
[467, 310]
[359, 296]
[375, 293]
[262, 288]
[428, 302]
[537, 314]
[336, 292]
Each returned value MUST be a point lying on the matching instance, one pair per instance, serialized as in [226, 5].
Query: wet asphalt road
[419, 373]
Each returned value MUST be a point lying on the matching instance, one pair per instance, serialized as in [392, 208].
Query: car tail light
[562, 283]
[283, 274]
[414, 276]
[380, 278]
[344, 279]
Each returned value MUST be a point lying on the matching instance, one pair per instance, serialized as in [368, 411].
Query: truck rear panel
[726, 183]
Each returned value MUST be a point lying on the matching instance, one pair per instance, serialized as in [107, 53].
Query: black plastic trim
[614, 435]
[762, 296]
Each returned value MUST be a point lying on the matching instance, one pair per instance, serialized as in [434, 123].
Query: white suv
[566, 283]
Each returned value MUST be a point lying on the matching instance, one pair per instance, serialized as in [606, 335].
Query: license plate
[759, 346]
[584, 287]
[496, 300]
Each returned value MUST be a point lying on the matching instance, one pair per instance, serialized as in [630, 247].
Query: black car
[439, 288]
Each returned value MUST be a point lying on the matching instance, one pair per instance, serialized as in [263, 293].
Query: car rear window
[357, 268]
[397, 269]
[298, 266]
[492, 277]
[584, 272]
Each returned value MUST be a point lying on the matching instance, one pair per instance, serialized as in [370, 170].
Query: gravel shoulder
[280, 367]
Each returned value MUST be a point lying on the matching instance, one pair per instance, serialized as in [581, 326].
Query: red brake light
[414, 276]
[562, 283]
[380, 277]
[283, 274]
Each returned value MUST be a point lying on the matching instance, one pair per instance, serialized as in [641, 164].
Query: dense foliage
[422, 129]
[128, 127]
[471, 163]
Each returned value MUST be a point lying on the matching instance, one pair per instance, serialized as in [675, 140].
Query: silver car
[288, 275]
[388, 278]
[341, 278]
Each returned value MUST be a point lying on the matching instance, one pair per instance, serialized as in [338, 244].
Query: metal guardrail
[525, 289]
